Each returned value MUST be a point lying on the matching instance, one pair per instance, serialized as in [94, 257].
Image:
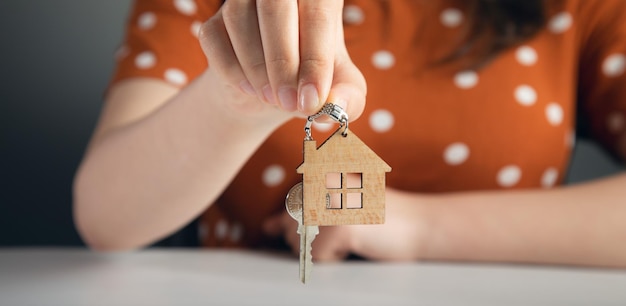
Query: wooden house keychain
[343, 182]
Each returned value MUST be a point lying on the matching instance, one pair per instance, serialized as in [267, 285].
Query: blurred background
[55, 61]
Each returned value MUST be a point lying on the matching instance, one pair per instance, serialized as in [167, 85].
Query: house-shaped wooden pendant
[343, 182]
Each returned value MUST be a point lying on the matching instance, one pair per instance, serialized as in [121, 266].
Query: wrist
[429, 237]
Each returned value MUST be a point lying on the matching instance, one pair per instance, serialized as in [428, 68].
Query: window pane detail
[355, 180]
[333, 201]
[355, 200]
[333, 180]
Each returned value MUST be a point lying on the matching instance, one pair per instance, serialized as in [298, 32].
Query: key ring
[335, 112]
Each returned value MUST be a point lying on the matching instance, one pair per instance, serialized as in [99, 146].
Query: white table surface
[207, 277]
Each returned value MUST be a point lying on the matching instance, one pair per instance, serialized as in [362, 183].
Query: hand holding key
[287, 55]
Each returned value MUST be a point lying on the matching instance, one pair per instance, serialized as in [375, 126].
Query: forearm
[581, 225]
[142, 181]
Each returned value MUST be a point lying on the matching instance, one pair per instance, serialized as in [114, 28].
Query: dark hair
[496, 25]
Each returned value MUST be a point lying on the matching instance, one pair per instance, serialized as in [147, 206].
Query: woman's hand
[400, 238]
[287, 55]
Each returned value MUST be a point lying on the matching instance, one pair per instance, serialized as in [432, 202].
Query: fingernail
[309, 98]
[269, 228]
[247, 88]
[336, 96]
[287, 97]
[339, 102]
[269, 95]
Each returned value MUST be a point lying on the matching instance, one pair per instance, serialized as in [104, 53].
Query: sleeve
[161, 41]
[602, 74]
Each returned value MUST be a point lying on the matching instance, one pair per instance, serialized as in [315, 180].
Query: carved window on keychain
[343, 169]
[344, 188]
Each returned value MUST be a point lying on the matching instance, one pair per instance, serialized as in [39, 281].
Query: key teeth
[309, 265]
[310, 233]
[303, 266]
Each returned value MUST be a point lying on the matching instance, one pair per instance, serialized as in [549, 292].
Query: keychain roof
[343, 179]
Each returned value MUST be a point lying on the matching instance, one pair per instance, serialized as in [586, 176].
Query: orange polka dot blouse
[509, 125]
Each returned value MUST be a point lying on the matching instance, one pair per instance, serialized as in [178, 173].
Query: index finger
[318, 43]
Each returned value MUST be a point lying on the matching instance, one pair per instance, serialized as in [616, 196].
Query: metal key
[293, 203]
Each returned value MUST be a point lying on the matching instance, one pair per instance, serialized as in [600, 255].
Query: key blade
[310, 231]
[302, 233]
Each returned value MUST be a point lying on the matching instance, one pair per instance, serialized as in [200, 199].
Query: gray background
[55, 61]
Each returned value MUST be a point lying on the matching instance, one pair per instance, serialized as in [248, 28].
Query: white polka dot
[456, 154]
[526, 55]
[451, 17]
[145, 60]
[323, 126]
[466, 79]
[554, 113]
[176, 77]
[353, 14]
[273, 176]
[549, 177]
[509, 176]
[146, 21]
[560, 23]
[381, 121]
[236, 232]
[616, 122]
[614, 65]
[195, 28]
[525, 95]
[221, 230]
[187, 7]
[383, 60]
[122, 52]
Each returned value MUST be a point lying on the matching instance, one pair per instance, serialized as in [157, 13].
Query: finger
[318, 40]
[289, 231]
[348, 89]
[217, 47]
[293, 241]
[273, 226]
[241, 22]
[278, 24]
[329, 245]
[283, 225]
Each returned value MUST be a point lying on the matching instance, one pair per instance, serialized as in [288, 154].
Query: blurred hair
[496, 25]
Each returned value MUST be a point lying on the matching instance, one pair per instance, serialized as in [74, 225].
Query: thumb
[348, 89]
[273, 226]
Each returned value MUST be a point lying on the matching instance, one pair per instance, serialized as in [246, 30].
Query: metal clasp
[333, 111]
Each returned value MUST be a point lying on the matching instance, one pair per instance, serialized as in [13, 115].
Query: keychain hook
[335, 112]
